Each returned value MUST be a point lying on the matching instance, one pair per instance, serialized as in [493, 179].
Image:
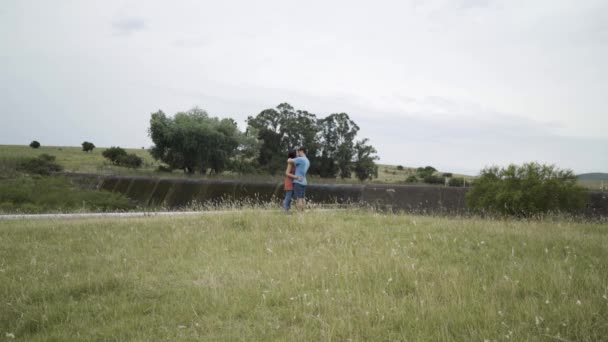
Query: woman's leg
[287, 200]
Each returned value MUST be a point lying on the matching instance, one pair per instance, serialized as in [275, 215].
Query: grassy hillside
[595, 176]
[75, 160]
[263, 276]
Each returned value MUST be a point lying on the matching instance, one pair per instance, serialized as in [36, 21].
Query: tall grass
[331, 276]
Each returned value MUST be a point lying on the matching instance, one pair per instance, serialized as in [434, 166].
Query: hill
[594, 176]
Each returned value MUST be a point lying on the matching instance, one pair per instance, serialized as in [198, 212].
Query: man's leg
[301, 202]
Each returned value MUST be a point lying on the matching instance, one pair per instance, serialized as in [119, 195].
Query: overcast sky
[457, 84]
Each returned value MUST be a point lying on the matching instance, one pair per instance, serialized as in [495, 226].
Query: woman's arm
[290, 175]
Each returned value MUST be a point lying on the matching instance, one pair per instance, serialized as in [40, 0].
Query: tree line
[194, 141]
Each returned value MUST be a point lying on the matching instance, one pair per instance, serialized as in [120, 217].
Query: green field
[75, 160]
[331, 276]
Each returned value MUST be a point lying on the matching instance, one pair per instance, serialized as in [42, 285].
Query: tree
[88, 146]
[34, 144]
[399, 167]
[281, 129]
[194, 141]
[114, 154]
[337, 136]
[364, 164]
[527, 190]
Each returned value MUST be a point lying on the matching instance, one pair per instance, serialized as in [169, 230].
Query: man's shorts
[299, 190]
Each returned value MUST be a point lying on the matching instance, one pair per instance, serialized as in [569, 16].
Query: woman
[289, 177]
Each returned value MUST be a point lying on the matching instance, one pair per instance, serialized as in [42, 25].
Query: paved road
[94, 215]
[128, 214]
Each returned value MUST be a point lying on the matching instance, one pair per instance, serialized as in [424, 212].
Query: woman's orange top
[289, 180]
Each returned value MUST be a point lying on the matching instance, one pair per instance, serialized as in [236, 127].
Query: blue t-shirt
[302, 164]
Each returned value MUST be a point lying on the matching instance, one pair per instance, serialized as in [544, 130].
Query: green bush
[411, 179]
[434, 180]
[526, 191]
[38, 194]
[399, 167]
[457, 181]
[114, 154]
[42, 165]
[423, 172]
[34, 144]
[130, 160]
[163, 168]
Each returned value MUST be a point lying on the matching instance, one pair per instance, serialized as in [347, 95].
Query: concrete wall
[175, 193]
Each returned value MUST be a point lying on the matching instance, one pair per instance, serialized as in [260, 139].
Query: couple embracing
[295, 179]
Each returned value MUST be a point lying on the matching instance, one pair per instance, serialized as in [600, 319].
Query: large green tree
[281, 129]
[194, 141]
[337, 141]
[364, 163]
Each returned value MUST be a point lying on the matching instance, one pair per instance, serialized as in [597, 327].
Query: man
[299, 183]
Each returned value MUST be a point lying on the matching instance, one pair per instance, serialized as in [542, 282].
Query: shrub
[426, 171]
[434, 180]
[400, 168]
[130, 160]
[42, 165]
[525, 191]
[34, 144]
[114, 154]
[457, 181]
[88, 146]
[411, 179]
[163, 168]
[55, 193]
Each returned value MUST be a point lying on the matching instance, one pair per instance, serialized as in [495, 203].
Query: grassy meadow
[321, 276]
[73, 159]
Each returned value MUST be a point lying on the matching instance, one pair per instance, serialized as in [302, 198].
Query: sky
[456, 84]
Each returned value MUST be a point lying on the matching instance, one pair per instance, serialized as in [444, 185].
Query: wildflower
[10, 335]
[547, 301]
[605, 297]
[181, 327]
[578, 302]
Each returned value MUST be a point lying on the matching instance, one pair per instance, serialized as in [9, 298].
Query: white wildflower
[181, 327]
[10, 335]
[578, 302]
[547, 301]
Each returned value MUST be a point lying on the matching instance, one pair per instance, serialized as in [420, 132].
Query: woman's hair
[292, 154]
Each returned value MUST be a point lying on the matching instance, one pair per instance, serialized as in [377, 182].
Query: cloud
[128, 25]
